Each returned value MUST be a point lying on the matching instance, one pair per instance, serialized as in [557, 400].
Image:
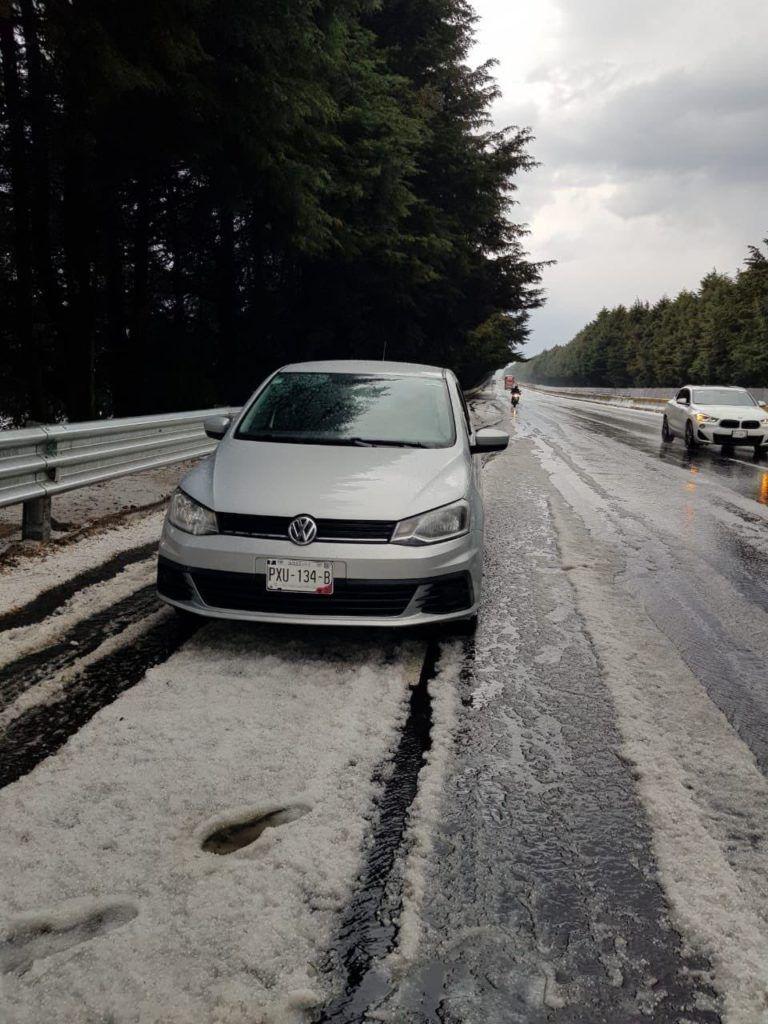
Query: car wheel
[690, 440]
[666, 433]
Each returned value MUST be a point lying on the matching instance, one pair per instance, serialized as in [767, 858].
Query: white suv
[715, 415]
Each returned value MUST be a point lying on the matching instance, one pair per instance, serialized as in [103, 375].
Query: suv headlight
[431, 527]
[190, 516]
[703, 418]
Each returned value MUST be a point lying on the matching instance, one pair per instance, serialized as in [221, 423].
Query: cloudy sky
[651, 120]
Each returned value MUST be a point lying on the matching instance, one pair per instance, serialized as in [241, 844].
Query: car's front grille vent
[452, 593]
[171, 581]
[750, 424]
[247, 592]
[349, 531]
[729, 423]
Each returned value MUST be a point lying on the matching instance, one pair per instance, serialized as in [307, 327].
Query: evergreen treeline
[716, 335]
[193, 192]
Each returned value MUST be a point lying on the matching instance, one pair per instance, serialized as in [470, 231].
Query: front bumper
[719, 435]
[224, 576]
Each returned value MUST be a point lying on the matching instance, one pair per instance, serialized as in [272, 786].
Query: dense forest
[194, 192]
[715, 335]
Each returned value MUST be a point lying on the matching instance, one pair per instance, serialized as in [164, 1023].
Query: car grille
[746, 424]
[238, 591]
[350, 531]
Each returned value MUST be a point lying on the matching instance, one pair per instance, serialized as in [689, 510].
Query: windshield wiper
[371, 442]
[357, 442]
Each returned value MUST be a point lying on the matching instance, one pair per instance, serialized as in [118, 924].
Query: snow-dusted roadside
[23, 580]
[25, 639]
[699, 782]
[238, 722]
[637, 403]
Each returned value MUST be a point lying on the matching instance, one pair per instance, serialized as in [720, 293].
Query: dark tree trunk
[227, 302]
[114, 284]
[80, 368]
[136, 400]
[178, 284]
[42, 248]
[22, 241]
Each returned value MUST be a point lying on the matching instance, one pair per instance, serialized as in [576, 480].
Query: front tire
[666, 433]
[690, 441]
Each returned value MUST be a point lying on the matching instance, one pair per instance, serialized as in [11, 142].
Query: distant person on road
[515, 395]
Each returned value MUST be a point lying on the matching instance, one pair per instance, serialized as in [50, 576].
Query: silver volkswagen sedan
[343, 493]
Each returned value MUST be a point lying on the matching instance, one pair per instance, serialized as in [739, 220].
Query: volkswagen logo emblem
[302, 530]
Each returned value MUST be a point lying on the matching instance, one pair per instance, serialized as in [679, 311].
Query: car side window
[684, 397]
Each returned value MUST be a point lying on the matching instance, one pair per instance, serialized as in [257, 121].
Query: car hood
[730, 412]
[327, 481]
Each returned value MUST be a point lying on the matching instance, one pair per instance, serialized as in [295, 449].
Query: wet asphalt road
[544, 900]
[693, 529]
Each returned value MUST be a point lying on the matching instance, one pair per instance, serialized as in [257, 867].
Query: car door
[680, 409]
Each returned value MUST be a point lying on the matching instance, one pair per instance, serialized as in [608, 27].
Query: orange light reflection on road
[763, 495]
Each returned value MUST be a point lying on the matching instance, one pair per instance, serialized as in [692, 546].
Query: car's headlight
[430, 527]
[190, 516]
[703, 418]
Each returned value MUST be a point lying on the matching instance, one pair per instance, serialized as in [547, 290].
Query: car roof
[715, 387]
[366, 366]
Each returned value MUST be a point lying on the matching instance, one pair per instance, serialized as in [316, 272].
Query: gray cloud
[683, 121]
[650, 119]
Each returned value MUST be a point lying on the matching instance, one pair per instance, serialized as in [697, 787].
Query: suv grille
[729, 423]
[750, 424]
[351, 531]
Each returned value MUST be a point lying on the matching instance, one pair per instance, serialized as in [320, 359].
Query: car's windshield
[351, 409]
[721, 396]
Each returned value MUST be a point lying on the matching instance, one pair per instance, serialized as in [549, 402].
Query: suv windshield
[351, 409]
[721, 396]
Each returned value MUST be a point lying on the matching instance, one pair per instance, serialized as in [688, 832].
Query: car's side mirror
[216, 426]
[488, 439]
[681, 401]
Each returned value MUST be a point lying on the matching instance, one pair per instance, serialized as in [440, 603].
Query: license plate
[739, 433]
[300, 575]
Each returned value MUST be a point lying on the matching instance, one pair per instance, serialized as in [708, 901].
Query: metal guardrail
[39, 462]
[647, 394]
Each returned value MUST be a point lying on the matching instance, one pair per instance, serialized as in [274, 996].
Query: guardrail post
[36, 519]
